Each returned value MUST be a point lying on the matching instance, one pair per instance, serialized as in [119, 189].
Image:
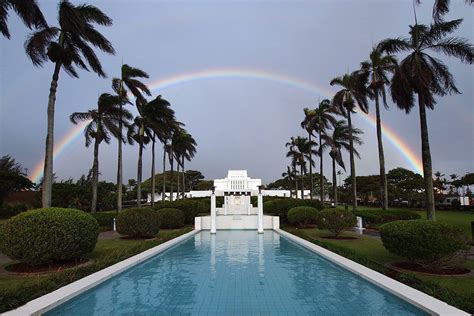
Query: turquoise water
[236, 273]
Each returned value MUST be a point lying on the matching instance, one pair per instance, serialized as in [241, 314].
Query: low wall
[237, 222]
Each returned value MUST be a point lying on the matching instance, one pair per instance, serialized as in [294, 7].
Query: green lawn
[456, 290]
[17, 290]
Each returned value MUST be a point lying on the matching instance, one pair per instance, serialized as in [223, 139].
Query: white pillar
[247, 200]
[213, 213]
[260, 213]
[225, 204]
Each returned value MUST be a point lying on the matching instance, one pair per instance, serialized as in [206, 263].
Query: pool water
[236, 273]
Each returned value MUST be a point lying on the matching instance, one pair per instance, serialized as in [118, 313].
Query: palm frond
[37, 43]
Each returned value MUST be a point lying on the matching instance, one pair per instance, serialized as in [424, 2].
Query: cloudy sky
[239, 122]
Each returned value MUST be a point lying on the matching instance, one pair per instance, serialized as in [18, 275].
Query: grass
[18, 290]
[369, 251]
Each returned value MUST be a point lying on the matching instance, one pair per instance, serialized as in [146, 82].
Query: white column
[213, 213]
[225, 204]
[260, 213]
[247, 200]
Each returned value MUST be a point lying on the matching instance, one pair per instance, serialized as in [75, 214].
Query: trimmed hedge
[191, 208]
[335, 220]
[105, 219]
[141, 222]
[171, 218]
[49, 234]
[377, 216]
[433, 245]
[281, 206]
[302, 216]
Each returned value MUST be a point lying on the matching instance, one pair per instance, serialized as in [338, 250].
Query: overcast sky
[239, 123]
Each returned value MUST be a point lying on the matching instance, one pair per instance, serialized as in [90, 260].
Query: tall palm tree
[300, 150]
[67, 46]
[128, 80]
[290, 175]
[28, 11]
[167, 150]
[319, 120]
[377, 67]
[160, 118]
[184, 149]
[141, 133]
[104, 121]
[426, 76]
[441, 7]
[353, 94]
[340, 140]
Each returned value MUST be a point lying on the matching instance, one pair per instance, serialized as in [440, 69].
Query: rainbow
[243, 73]
[59, 148]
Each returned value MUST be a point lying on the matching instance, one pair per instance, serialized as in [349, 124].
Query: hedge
[50, 234]
[171, 218]
[433, 245]
[140, 222]
[190, 207]
[302, 216]
[281, 206]
[105, 219]
[374, 217]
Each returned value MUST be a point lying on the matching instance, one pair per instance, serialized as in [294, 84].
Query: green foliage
[190, 207]
[105, 219]
[281, 206]
[335, 220]
[12, 176]
[140, 222]
[171, 218]
[7, 211]
[302, 216]
[378, 216]
[432, 245]
[47, 235]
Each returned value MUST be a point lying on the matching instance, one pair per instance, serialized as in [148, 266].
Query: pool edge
[47, 302]
[415, 297]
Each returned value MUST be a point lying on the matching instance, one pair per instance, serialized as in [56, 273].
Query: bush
[190, 207]
[140, 222]
[171, 218]
[302, 216]
[377, 216]
[281, 206]
[47, 235]
[432, 245]
[7, 211]
[105, 219]
[335, 220]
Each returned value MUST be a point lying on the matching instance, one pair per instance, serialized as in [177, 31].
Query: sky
[239, 122]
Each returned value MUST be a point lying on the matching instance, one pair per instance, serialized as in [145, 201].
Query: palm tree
[340, 140]
[353, 93]
[377, 67]
[141, 133]
[67, 46]
[318, 120]
[160, 118]
[128, 80]
[104, 121]
[184, 147]
[441, 7]
[426, 76]
[290, 175]
[28, 11]
[301, 149]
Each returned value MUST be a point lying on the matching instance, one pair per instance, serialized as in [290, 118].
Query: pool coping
[53, 299]
[417, 298]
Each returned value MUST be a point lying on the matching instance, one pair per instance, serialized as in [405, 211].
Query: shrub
[432, 245]
[377, 216]
[140, 222]
[47, 235]
[7, 211]
[335, 220]
[105, 219]
[190, 207]
[281, 206]
[302, 215]
[171, 218]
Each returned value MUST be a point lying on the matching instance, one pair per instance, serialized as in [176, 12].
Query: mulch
[410, 266]
[20, 268]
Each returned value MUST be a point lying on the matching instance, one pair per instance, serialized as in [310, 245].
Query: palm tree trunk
[119, 166]
[139, 175]
[48, 157]
[178, 184]
[296, 183]
[383, 176]
[334, 181]
[95, 176]
[351, 154]
[426, 157]
[171, 181]
[184, 183]
[302, 182]
[321, 172]
[153, 181]
[310, 167]
[163, 194]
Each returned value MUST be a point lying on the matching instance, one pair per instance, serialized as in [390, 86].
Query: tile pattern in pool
[237, 273]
